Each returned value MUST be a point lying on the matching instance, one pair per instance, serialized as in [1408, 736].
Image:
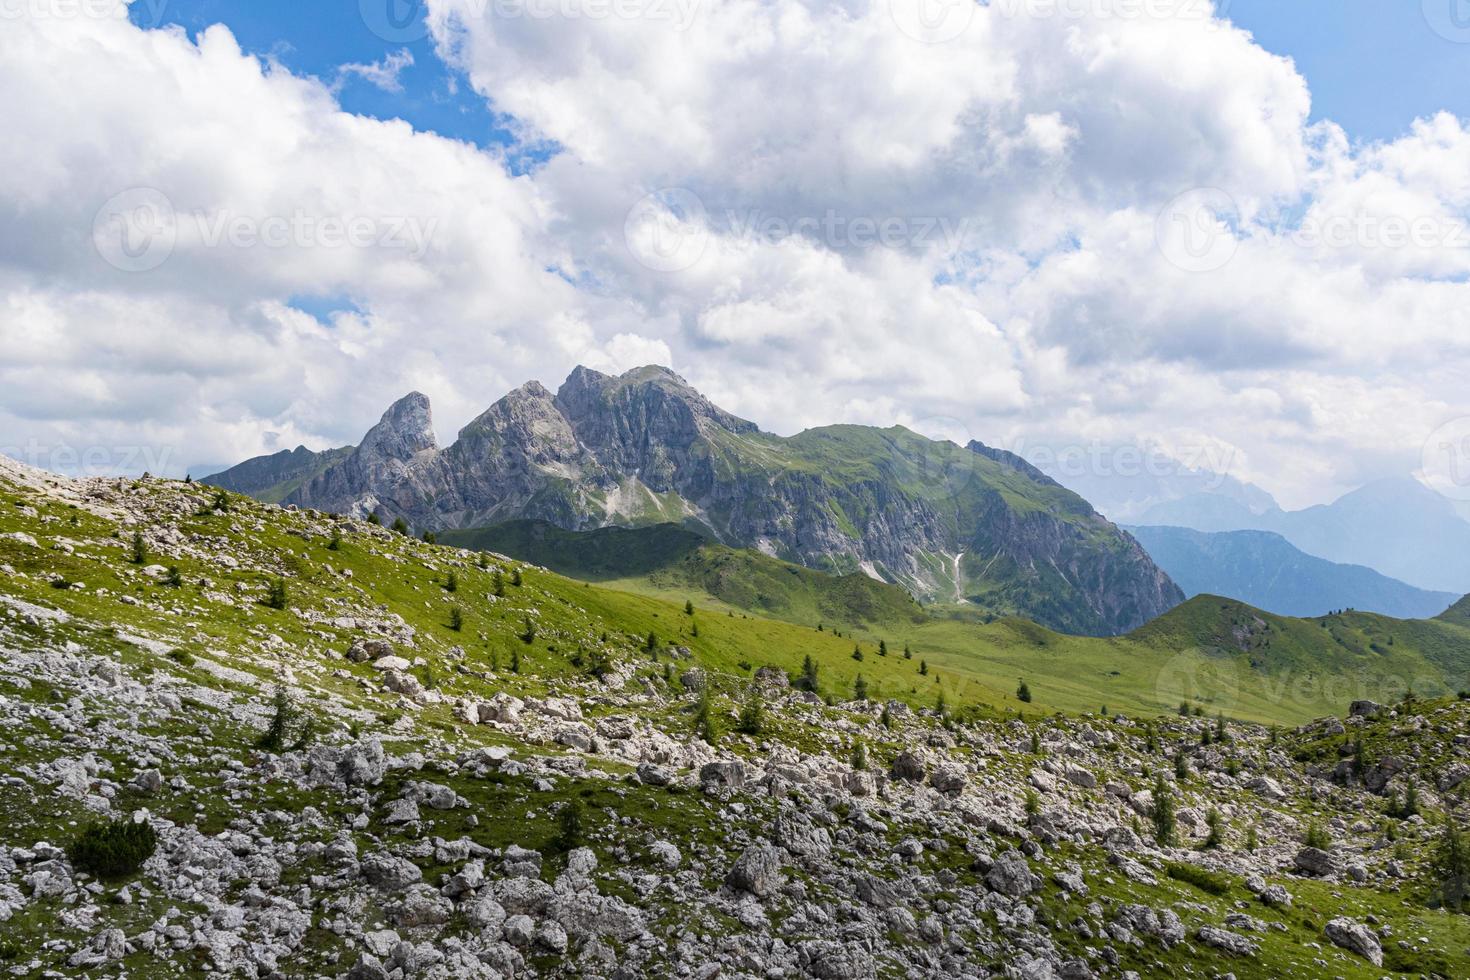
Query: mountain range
[1263, 568]
[1398, 527]
[970, 525]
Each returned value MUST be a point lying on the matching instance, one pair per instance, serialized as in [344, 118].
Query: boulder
[1355, 938]
[1315, 861]
[757, 871]
[908, 767]
[1011, 875]
[1226, 941]
[948, 779]
[721, 776]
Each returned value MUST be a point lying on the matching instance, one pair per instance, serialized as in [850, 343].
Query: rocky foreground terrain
[360, 754]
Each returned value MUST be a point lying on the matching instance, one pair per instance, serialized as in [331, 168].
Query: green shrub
[1164, 829]
[752, 719]
[290, 726]
[570, 831]
[706, 721]
[1316, 837]
[1205, 881]
[112, 850]
[277, 597]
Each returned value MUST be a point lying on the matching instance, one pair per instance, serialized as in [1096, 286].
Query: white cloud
[385, 74]
[962, 236]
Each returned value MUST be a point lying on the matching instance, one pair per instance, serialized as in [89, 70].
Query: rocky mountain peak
[651, 395]
[404, 431]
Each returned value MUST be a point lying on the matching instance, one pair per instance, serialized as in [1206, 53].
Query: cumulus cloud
[385, 74]
[1055, 223]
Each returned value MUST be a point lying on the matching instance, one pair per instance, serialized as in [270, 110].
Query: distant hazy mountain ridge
[949, 523]
[1263, 569]
[1396, 526]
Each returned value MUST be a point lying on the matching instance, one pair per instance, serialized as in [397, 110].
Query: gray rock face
[722, 776]
[908, 767]
[828, 960]
[1011, 875]
[389, 872]
[1232, 943]
[1315, 861]
[757, 871]
[1355, 938]
[562, 458]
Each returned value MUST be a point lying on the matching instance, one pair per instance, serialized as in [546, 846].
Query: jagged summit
[968, 525]
[406, 429]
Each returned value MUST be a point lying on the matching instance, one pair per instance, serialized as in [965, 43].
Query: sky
[1233, 236]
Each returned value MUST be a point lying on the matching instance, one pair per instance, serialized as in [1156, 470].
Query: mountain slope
[272, 478]
[672, 559]
[1398, 527]
[351, 781]
[1263, 569]
[965, 524]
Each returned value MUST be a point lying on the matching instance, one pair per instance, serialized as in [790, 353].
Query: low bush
[113, 850]
[1205, 881]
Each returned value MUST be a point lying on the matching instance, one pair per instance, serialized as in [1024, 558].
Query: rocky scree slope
[447, 815]
[951, 523]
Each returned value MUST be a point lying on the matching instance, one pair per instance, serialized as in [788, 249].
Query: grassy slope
[677, 562]
[1289, 671]
[408, 578]
[1221, 654]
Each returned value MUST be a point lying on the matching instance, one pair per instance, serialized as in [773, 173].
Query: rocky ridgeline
[494, 824]
[646, 446]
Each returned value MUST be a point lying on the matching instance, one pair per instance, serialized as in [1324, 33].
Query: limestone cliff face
[964, 524]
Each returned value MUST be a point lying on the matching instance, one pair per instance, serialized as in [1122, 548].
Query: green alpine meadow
[242, 736]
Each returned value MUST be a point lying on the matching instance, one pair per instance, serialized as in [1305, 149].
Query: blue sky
[317, 38]
[1373, 65]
